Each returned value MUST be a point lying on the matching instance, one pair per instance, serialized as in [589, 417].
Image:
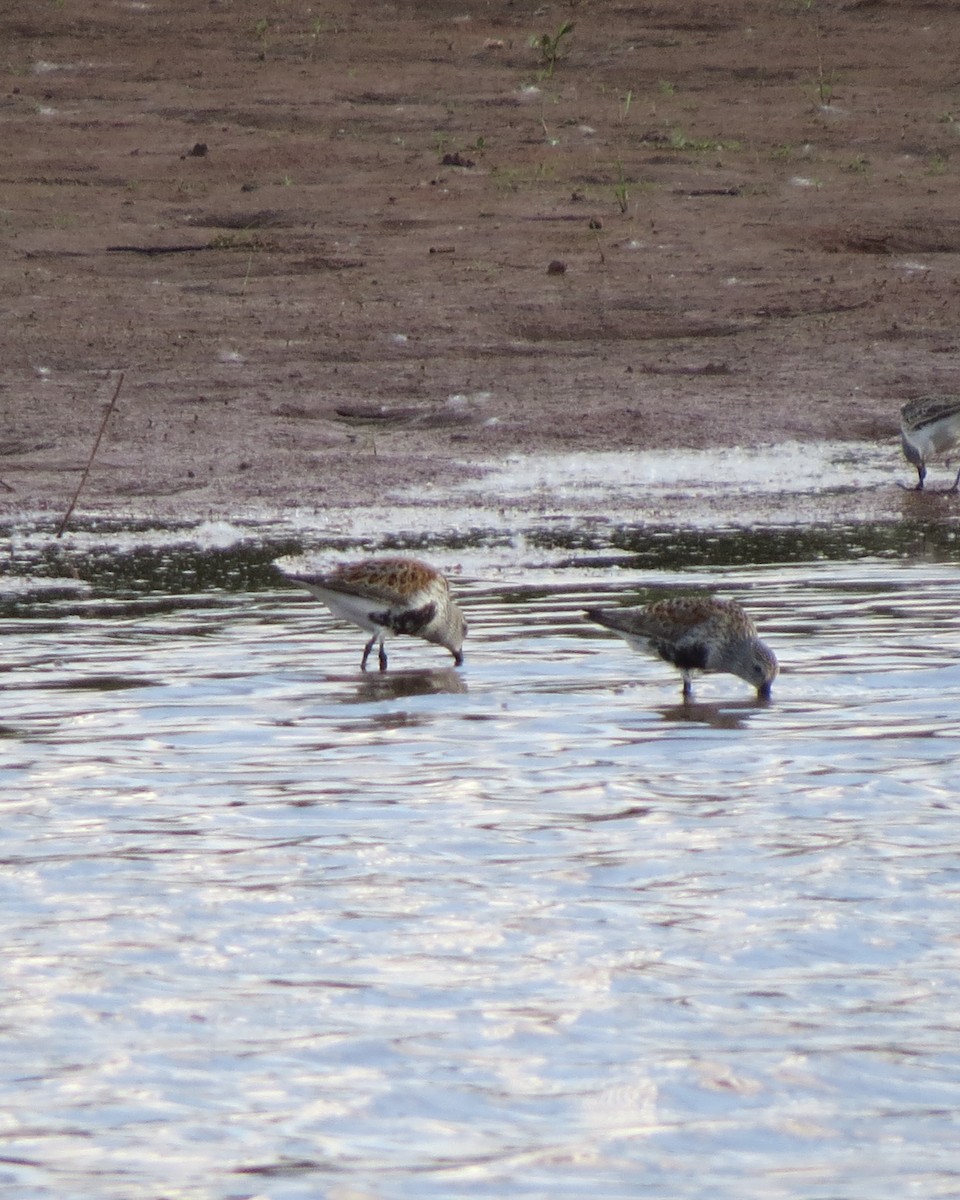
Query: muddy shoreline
[341, 258]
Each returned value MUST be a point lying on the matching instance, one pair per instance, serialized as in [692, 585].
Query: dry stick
[93, 454]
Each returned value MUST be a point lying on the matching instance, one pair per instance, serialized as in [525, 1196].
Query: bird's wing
[377, 591]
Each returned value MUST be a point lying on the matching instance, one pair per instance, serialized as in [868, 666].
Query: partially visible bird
[391, 595]
[930, 426]
[696, 634]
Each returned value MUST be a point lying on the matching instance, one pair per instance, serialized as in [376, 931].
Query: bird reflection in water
[401, 685]
[729, 715]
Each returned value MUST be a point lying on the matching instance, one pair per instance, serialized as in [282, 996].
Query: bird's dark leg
[383, 658]
[956, 484]
[922, 473]
[687, 687]
[366, 652]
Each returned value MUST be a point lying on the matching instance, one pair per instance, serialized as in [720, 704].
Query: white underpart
[355, 609]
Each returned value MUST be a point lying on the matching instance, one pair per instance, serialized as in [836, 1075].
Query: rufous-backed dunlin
[390, 595]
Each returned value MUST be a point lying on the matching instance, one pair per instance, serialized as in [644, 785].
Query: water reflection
[100, 683]
[727, 715]
[401, 684]
[98, 570]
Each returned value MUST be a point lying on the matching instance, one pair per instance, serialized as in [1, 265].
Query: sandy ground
[339, 252]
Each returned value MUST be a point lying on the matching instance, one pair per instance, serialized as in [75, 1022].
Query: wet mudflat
[277, 928]
[338, 253]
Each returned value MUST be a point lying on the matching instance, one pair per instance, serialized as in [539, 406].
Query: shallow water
[531, 928]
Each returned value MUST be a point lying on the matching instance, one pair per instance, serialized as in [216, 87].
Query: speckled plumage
[928, 427]
[696, 634]
[391, 595]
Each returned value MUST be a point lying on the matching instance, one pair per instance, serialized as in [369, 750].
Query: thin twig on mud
[93, 453]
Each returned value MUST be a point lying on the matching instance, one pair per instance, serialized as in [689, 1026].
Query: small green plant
[551, 49]
[625, 103]
[260, 31]
[505, 179]
[680, 141]
[318, 27]
[825, 80]
[666, 88]
[825, 84]
[938, 165]
[621, 192]
[859, 165]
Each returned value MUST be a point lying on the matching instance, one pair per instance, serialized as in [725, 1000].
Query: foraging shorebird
[696, 634]
[391, 595]
[930, 426]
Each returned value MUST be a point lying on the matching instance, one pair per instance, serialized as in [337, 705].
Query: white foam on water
[209, 535]
[794, 467]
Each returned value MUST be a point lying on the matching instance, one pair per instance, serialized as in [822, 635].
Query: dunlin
[696, 634]
[391, 595]
[930, 426]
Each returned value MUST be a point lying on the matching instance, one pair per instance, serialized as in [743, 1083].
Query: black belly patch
[409, 620]
[690, 657]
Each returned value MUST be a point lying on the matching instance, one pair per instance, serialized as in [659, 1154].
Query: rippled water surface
[533, 928]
